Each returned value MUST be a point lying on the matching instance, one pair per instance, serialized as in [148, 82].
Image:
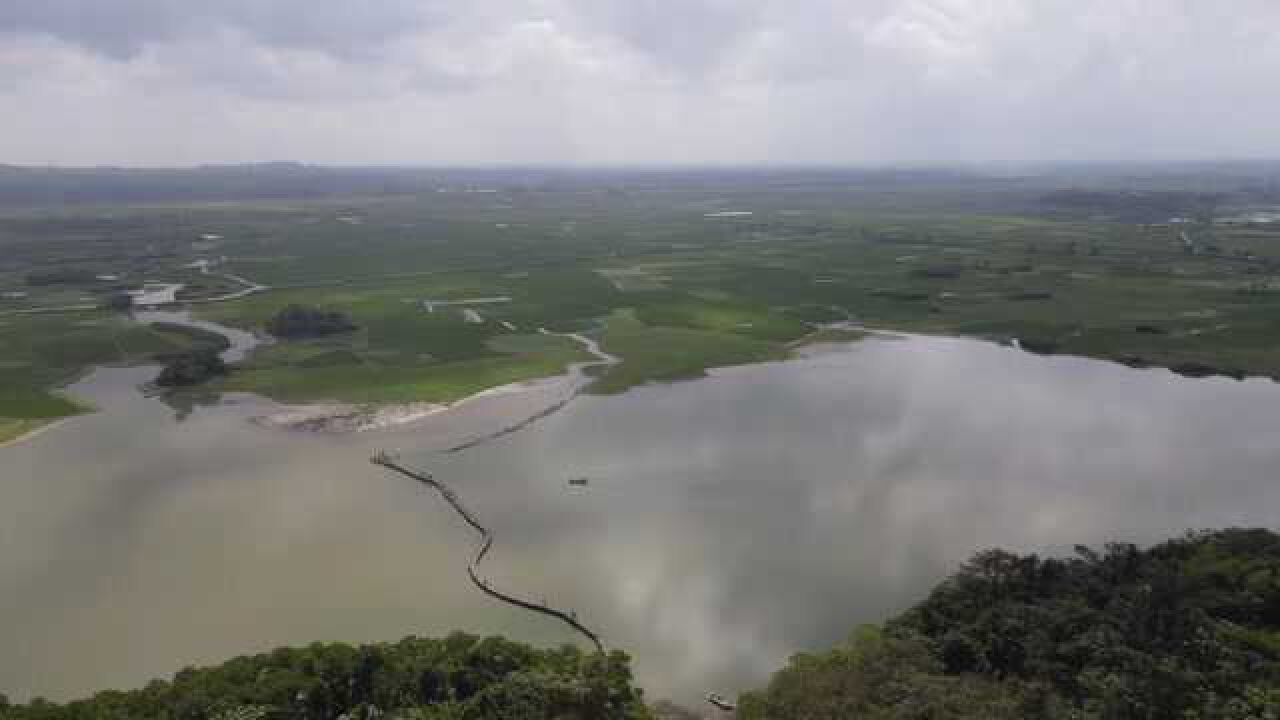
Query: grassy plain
[656, 353]
[327, 371]
[40, 353]
[667, 284]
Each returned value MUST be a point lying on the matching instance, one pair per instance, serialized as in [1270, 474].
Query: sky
[619, 82]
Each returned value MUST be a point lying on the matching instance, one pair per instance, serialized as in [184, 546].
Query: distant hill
[1139, 207]
[56, 186]
[1135, 190]
[38, 186]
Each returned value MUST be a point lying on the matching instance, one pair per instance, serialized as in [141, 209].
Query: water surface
[242, 341]
[728, 523]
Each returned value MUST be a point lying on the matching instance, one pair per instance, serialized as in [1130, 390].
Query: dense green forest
[455, 678]
[1186, 629]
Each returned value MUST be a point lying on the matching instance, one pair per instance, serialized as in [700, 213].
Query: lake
[728, 522]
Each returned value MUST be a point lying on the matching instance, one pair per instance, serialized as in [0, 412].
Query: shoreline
[36, 431]
[63, 389]
[576, 379]
[343, 418]
[339, 418]
[346, 418]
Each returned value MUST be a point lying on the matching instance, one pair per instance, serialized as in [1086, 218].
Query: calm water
[728, 523]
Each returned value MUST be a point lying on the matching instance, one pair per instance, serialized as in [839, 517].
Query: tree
[297, 321]
[192, 368]
[888, 676]
[118, 301]
[414, 678]
[1187, 629]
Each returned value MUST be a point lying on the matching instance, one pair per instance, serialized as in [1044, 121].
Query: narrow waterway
[242, 341]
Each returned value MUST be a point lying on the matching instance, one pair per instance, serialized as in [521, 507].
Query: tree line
[459, 677]
[1187, 629]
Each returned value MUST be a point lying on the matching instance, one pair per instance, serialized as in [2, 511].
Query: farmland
[674, 276]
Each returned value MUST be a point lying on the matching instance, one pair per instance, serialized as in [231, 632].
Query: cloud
[122, 28]
[617, 81]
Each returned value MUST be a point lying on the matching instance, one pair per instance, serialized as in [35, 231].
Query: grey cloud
[122, 28]
[686, 81]
[692, 35]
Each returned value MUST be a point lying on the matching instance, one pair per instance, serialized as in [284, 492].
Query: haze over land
[730, 327]
[163, 82]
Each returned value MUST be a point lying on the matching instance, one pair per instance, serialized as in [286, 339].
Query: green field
[668, 286]
[319, 372]
[43, 352]
[653, 353]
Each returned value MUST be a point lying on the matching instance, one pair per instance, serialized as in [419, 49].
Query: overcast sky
[864, 82]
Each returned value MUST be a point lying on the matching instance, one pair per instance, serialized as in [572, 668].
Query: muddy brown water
[727, 522]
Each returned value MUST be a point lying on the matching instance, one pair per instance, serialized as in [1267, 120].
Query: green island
[449, 291]
[1189, 628]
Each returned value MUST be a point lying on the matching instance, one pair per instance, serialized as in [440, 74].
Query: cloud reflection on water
[728, 523]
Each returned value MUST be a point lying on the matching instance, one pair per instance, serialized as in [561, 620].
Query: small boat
[578, 481]
[720, 702]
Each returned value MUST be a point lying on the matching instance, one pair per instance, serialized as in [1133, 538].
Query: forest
[458, 677]
[1189, 628]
